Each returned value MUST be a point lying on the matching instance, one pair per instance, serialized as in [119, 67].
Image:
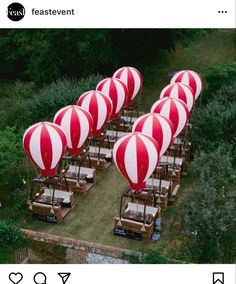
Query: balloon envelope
[44, 144]
[77, 123]
[174, 109]
[117, 91]
[189, 78]
[136, 156]
[132, 79]
[179, 91]
[157, 126]
[99, 106]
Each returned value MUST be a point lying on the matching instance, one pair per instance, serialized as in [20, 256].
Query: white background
[126, 13]
[122, 274]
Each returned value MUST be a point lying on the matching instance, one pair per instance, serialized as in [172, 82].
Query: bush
[215, 168]
[11, 157]
[218, 78]
[214, 126]
[210, 226]
[11, 240]
[43, 105]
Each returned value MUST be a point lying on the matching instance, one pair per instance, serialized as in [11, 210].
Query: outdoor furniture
[85, 173]
[137, 217]
[51, 205]
[137, 221]
[102, 151]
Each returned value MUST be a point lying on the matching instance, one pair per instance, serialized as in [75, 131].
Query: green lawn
[92, 218]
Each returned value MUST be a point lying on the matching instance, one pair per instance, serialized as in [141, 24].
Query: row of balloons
[46, 142]
[137, 154]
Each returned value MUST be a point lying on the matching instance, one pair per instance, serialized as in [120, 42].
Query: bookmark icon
[64, 276]
[218, 278]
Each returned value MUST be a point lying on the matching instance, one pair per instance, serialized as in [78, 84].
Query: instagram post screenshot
[117, 142]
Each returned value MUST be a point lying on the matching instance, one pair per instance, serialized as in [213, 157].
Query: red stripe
[142, 159]
[113, 94]
[168, 91]
[27, 139]
[181, 94]
[75, 131]
[158, 130]
[59, 115]
[131, 84]
[120, 157]
[46, 148]
[174, 115]
[192, 83]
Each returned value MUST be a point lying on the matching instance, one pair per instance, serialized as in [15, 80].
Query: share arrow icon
[64, 277]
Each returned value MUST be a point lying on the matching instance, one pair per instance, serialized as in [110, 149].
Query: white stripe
[182, 118]
[130, 159]
[65, 124]
[117, 145]
[34, 147]
[86, 100]
[106, 87]
[185, 79]
[174, 92]
[167, 135]
[102, 111]
[137, 82]
[28, 129]
[120, 96]
[56, 146]
[198, 83]
[165, 110]
[84, 127]
[189, 97]
[148, 126]
[124, 76]
[152, 156]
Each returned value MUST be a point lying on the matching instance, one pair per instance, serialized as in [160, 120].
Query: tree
[214, 126]
[210, 225]
[11, 239]
[218, 78]
[216, 168]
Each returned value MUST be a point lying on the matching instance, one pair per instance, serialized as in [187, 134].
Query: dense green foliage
[46, 55]
[210, 222]
[32, 105]
[11, 240]
[214, 119]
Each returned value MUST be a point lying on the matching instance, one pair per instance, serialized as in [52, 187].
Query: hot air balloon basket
[53, 211]
[136, 219]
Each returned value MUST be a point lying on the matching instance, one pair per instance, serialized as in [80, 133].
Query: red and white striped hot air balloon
[99, 106]
[157, 126]
[189, 78]
[77, 124]
[117, 91]
[136, 156]
[132, 79]
[179, 91]
[44, 144]
[174, 109]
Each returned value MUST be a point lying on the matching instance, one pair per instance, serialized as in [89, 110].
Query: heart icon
[15, 277]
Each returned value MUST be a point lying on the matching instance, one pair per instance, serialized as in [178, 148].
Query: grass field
[92, 218]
